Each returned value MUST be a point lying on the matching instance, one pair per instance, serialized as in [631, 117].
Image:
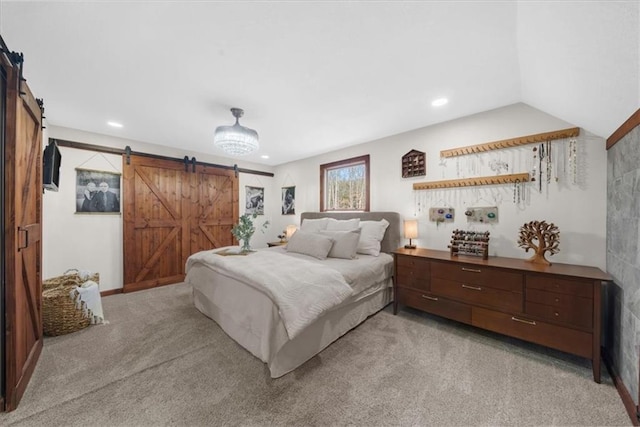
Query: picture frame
[97, 192]
[254, 200]
[289, 200]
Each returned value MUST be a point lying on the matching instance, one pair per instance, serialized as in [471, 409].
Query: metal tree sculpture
[547, 237]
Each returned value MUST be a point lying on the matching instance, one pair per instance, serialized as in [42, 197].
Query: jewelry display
[549, 160]
[487, 214]
[498, 165]
[547, 237]
[573, 161]
[470, 243]
[439, 215]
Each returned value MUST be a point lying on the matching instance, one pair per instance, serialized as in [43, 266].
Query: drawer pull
[429, 298]
[473, 270]
[528, 322]
[475, 288]
[557, 299]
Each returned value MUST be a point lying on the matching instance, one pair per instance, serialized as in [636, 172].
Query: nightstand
[272, 244]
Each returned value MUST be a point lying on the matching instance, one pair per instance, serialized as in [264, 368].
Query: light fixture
[115, 124]
[236, 140]
[410, 231]
[291, 228]
[439, 102]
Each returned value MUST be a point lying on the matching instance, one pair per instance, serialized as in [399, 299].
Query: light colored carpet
[160, 362]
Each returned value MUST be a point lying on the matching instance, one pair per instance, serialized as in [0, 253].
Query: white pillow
[314, 225]
[342, 225]
[345, 243]
[371, 235]
[315, 245]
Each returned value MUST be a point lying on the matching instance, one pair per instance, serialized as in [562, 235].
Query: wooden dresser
[558, 306]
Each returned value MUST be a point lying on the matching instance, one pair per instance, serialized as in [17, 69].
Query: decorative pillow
[314, 225]
[342, 225]
[312, 244]
[371, 236]
[345, 243]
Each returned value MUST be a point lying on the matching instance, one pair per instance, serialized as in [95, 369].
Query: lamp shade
[410, 229]
[410, 232]
[290, 230]
[236, 140]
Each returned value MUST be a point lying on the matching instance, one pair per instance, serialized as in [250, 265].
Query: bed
[245, 299]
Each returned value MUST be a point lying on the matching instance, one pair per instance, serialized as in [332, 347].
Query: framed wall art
[254, 200]
[97, 192]
[289, 200]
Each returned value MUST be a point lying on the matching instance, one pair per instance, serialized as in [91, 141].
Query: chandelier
[236, 140]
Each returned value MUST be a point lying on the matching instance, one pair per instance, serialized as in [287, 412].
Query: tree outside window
[344, 185]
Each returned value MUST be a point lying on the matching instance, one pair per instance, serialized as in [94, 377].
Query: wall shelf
[470, 182]
[513, 142]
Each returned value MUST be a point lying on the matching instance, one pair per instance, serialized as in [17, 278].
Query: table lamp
[410, 231]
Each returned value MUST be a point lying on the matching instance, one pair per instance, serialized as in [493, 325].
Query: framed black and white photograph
[254, 200]
[97, 192]
[289, 200]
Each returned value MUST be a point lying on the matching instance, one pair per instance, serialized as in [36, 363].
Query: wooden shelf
[513, 142]
[470, 182]
[414, 164]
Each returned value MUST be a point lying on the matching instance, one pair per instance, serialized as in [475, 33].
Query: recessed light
[115, 124]
[264, 156]
[439, 102]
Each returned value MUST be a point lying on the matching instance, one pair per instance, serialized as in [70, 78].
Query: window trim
[334, 165]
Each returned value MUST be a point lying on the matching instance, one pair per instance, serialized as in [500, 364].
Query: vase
[246, 247]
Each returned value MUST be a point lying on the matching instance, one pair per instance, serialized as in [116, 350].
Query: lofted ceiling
[317, 76]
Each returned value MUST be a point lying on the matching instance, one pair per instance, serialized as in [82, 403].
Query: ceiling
[316, 76]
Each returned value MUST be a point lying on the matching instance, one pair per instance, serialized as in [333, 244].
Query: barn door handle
[26, 238]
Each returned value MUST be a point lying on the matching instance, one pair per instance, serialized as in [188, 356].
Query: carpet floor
[161, 362]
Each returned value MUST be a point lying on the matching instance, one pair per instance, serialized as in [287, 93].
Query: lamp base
[409, 246]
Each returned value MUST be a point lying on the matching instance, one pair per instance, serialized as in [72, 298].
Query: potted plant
[244, 229]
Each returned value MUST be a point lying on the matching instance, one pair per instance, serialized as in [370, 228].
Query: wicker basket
[63, 313]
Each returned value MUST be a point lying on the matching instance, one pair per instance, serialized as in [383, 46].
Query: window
[344, 185]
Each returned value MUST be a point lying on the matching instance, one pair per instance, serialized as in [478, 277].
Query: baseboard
[627, 400]
[111, 292]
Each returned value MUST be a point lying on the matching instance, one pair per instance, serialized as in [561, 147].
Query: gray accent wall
[623, 258]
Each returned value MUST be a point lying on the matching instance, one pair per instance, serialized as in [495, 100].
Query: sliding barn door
[22, 231]
[170, 213]
[156, 208]
[215, 208]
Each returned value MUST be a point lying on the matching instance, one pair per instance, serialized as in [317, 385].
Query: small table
[272, 244]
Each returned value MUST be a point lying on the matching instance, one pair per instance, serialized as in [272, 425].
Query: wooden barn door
[156, 210]
[215, 208]
[22, 231]
[170, 213]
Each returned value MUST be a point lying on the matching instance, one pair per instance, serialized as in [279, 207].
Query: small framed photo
[254, 200]
[97, 192]
[289, 200]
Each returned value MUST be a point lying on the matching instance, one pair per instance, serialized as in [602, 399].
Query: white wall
[94, 242]
[579, 210]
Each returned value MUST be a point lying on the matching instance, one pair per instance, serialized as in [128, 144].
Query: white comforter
[302, 290]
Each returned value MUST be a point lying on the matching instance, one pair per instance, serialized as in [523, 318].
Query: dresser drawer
[558, 337]
[478, 275]
[478, 294]
[580, 316]
[562, 286]
[436, 305]
[413, 272]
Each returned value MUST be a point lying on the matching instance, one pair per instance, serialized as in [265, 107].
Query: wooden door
[171, 213]
[214, 208]
[22, 231]
[156, 207]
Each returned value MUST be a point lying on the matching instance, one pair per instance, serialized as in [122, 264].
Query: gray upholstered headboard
[392, 236]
